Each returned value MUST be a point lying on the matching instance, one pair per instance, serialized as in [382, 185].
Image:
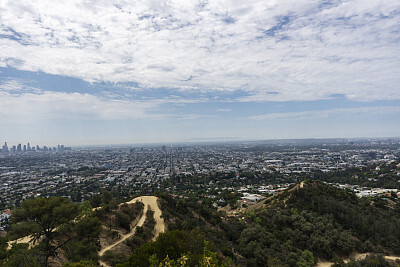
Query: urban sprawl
[253, 169]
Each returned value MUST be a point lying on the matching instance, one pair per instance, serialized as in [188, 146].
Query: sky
[85, 72]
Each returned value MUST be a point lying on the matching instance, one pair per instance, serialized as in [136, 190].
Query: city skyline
[82, 73]
[20, 147]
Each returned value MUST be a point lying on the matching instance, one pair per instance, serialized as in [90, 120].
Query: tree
[106, 197]
[306, 259]
[85, 232]
[96, 201]
[40, 218]
[3, 249]
[19, 255]
[81, 264]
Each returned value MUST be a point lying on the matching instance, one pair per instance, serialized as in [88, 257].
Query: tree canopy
[41, 218]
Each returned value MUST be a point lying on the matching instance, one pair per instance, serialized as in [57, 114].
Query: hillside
[70, 233]
[120, 246]
[309, 223]
[299, 227]
[321, 219]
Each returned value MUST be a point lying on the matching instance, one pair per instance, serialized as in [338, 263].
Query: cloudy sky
[106, 72]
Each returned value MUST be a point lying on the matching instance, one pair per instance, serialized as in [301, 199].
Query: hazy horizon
[202, 141]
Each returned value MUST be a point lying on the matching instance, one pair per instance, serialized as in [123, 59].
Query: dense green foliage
[192, 214]
[85, 232]
[118, 217]
[20, 256]
[55, 223]
[127, 213]
[369, 261]
[114, 258]
[375, 225]
[295, 228]
[322, 219]
[82, 264]
[42, 218]
[173, 245]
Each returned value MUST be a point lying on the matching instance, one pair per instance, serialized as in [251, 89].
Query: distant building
[5, 147]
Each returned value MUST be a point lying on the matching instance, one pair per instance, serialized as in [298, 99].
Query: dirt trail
[25, 239]
[151, 201]
[358, 256]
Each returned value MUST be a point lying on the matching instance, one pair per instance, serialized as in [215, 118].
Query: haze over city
[90, 72]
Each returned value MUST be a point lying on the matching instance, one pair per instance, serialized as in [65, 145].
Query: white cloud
[11, 85]
[20, 102]
[54, 106]
[302, 50]
[17, 86]
[314, 114]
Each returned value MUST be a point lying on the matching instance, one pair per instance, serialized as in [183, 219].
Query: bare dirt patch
[148, 201]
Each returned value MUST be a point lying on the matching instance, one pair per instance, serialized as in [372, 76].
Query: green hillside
[321, 219]
[298, 227]
[295, 228]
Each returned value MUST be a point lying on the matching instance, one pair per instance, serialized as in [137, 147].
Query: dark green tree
[81, 264]
[19, 255]
[41, 218]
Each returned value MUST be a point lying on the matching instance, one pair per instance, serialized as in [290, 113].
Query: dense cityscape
[28, 148]
[183, 169]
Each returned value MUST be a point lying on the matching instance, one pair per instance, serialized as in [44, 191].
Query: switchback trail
[158, 228]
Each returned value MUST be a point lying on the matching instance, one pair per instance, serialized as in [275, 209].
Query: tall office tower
[24, 149]
[62, 148]
[58, 148]
[29, 147]
[19, 148]
[14, 148]
[5, 147]
[37, 147]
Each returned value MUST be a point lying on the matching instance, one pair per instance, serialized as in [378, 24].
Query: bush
[113, 258]
[123, 221]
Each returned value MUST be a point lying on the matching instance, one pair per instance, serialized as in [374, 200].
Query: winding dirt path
[151, 201]
[357, 256]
